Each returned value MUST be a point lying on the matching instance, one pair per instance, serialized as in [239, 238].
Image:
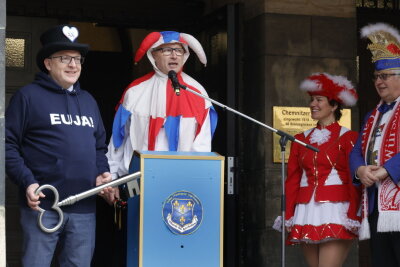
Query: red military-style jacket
[308, 171]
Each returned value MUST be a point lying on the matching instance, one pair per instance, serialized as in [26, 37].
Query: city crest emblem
[182, 213]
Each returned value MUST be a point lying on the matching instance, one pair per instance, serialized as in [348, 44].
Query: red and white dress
[321, 200]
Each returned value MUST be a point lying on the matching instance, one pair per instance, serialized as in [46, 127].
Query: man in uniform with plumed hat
[55, 135]
[151, 116]
[375, 159]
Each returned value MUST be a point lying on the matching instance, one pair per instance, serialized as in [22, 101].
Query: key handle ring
[54, 207]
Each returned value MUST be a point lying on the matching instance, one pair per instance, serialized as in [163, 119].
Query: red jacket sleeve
[292, 183]
[354, 191]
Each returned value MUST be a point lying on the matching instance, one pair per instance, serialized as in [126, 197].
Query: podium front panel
[194, 178]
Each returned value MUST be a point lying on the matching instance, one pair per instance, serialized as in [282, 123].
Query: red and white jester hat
[334, 87]
[155, 39]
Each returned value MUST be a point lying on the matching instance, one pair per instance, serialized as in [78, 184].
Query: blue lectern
[177, 219]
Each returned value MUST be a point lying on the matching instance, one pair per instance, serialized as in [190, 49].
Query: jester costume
[150, 116]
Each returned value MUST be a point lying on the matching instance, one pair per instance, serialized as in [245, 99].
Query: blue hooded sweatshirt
[55, 137]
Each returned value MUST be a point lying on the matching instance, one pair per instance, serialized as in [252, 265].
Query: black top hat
[61, 37]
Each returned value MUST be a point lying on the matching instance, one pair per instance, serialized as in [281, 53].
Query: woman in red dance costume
[321, 200]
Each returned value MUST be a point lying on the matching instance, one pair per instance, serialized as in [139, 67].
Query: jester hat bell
[335, 87]
[384, 46]
[60, 37]
[155, 39]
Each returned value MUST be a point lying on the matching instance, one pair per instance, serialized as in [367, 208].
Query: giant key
[73, 199]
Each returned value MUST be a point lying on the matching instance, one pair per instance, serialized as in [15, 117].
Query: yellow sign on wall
[294, 120]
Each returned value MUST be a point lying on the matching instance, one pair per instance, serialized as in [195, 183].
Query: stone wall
[2, 172]
[285, 43]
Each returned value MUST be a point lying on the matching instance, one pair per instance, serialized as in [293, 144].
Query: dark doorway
[105, 75]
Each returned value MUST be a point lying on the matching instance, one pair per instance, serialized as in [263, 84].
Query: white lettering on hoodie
[67, 120]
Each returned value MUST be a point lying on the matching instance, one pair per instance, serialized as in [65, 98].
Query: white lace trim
[278, 223]
[352, 225]
[320, 136]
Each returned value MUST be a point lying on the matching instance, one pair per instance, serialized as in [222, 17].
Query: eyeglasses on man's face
[383, 76]
[167, 51]
[78, 60]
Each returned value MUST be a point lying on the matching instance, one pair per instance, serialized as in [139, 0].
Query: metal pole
[283, 207]
[283, 142]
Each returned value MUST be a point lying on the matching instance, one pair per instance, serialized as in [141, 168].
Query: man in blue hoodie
[55, 135]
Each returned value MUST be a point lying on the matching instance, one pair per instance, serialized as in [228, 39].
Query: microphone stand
[284, 138]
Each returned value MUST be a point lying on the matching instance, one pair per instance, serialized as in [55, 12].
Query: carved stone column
[2, 172]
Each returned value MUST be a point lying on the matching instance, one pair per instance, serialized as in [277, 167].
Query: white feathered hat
[334, 87]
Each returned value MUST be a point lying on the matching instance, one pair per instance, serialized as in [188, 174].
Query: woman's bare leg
[333, 253]
[310, 252]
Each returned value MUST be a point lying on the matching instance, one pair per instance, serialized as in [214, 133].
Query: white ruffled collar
[320, 136]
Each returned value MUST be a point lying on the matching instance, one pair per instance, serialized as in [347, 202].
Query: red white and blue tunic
[152, 117]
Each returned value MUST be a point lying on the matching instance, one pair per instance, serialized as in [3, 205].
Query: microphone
[175, 83]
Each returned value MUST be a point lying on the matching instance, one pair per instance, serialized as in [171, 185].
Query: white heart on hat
[70, 33]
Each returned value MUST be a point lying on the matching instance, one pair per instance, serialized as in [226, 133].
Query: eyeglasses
[67, 59]
[383, 76]
[166, 51]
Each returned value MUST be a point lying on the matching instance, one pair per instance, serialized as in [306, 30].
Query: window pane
[15, 53]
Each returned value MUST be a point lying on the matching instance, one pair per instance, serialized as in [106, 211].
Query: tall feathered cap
[385, 46]
[334, 87]
[155, 39]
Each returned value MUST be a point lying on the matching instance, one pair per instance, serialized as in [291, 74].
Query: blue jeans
[75, 238]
